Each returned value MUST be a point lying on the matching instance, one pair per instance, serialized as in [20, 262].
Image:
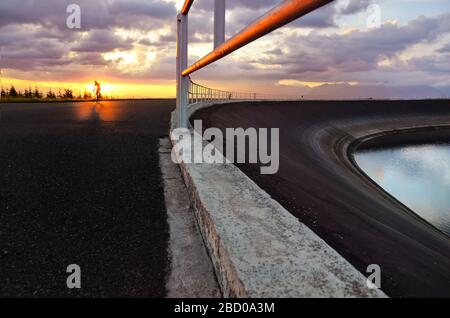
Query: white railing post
[182, 63]
[219, 22]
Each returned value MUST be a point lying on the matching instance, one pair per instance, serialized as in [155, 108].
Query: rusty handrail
[282, 14]
[187, 6]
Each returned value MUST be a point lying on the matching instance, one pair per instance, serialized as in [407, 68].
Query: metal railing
[186, 7]
[199, 93]
[282, 14]
[285, 12]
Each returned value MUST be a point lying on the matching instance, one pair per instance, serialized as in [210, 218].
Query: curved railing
[199, 93]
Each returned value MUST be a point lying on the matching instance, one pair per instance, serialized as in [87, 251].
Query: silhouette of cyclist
[97, 90]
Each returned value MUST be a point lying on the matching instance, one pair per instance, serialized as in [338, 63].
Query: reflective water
[418, 176]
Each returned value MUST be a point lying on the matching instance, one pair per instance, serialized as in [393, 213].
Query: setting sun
[108, 89]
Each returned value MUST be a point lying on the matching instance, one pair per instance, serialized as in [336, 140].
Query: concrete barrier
[257, 247]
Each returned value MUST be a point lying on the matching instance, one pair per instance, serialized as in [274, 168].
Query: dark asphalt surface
[318, 183]
[80, 184]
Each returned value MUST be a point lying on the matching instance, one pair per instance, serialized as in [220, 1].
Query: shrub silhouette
[51, 95]
[87, 95]
[68, 93]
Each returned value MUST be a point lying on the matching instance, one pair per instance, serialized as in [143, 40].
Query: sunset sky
[129, 46]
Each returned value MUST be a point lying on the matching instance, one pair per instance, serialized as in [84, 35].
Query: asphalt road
[319, 184]
[80, 184]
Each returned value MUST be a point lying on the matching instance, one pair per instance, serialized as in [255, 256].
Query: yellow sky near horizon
[116, 90]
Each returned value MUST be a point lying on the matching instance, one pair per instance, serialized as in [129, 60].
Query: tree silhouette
[28, 93]
[37, 93]
[13, 92]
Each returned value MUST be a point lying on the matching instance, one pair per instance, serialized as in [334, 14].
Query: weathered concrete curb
[258, 248]
[191, 272]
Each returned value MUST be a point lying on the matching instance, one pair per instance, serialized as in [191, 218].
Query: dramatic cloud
[355, 6]
[134, 41]
[102, 41]
[99, 14]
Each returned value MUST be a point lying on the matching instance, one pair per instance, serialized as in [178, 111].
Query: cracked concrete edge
[258, 248]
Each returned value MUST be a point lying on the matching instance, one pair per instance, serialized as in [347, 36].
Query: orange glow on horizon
[109, 89]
